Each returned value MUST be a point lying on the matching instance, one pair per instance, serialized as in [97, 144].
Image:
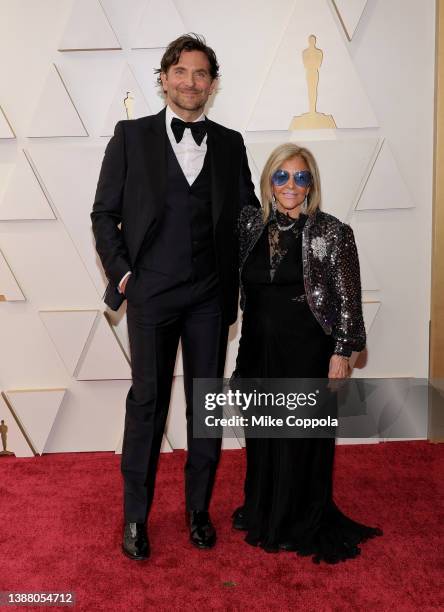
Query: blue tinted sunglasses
[303, 178]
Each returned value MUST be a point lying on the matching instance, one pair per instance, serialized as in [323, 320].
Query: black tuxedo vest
[183, 247]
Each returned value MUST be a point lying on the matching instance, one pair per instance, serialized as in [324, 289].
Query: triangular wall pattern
[159, 25]
[117, 110]
[56, 114]
[104, 359]
[9, 287]
[13, 437]
[72, 198]
[24, 197]
[6, 130]
[69, 330]
[88, 28]
[369, 281]
[370, 311]
[349, 12]
[36, 409]
[340, 92]
[385, 188]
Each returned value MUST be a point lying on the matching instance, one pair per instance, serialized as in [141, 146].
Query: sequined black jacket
[331, 274]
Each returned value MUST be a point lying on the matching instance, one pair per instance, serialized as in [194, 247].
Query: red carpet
[61, 530]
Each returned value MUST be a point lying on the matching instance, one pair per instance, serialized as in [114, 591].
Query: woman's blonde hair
[277, 157]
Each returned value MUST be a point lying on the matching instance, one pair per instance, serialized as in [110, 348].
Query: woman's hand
[339, 367]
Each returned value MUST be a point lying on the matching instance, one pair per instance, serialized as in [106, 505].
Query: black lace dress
[288, 486]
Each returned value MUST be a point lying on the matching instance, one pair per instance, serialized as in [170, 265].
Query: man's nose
[189, 79]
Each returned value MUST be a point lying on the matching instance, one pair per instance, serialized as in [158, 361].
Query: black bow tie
[198, 129]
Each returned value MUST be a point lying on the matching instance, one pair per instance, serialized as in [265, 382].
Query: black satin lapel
[219, 150]
[154, 146]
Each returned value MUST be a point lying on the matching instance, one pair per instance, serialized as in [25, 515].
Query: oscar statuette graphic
[312, 58]
[4, 437]
[129, 105]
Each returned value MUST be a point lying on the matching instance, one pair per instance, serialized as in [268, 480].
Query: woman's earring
[273, 202]
[305, 203]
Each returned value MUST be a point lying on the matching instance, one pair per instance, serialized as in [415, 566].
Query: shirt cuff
[121, 281]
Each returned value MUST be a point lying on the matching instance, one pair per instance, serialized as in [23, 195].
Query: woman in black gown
[301, 297]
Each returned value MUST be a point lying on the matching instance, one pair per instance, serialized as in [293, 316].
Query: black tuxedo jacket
[131, 193]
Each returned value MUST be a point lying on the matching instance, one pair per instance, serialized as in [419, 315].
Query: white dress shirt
[189, 154]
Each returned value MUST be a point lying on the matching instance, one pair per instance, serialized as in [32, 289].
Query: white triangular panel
[90, 418]
[284, 92]
[15, 440]
[36, 409]
[166, 446]
[9, 287]
[104, 359]
[56, 114]
[343, 164]
[72, 198]
[143, 66]
[178, 370]
[350, 12]
[6, 172]
[117, 111]
[24, 197]
[88, 28]
[370, 310]
[231, 443]
[6, 130]
[160, 24]
[385, 187]
[369, 281]
[124, 17]
[69, 330]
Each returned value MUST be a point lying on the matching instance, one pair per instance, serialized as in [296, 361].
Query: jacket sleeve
[107, 209]
[348, 330]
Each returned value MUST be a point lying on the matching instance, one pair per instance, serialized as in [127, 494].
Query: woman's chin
[290, 208]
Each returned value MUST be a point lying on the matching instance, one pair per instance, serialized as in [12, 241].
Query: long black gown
[288, 486]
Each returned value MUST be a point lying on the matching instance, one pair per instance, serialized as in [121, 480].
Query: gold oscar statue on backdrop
[312, 58]
[4, 436]
[2, 298]
[129, 105]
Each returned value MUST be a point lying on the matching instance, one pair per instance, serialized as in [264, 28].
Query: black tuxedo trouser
[157, 317]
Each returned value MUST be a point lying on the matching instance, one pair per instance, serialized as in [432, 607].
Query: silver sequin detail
[331, 274]
[319, 247]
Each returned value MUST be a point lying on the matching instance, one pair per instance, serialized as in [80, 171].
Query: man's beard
[190, 105]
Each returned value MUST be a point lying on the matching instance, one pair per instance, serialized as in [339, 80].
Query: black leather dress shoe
[239, 521]
[202, 532]
[135, 541]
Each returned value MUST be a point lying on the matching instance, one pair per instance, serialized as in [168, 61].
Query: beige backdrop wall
[66, 67]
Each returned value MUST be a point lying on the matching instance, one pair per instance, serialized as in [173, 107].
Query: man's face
[188, 84]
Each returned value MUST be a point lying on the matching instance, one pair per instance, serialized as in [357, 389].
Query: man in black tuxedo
[164, 218]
